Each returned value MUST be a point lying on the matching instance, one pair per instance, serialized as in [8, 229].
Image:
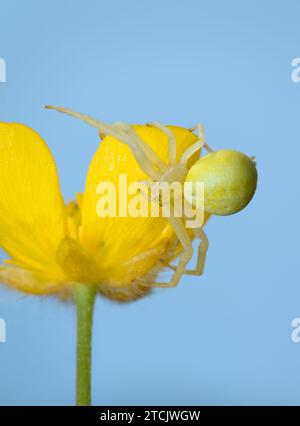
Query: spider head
[229, 178]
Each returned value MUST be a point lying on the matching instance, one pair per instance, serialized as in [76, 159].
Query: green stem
[84, 298]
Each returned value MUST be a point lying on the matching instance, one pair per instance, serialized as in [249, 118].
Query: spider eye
[229, 178]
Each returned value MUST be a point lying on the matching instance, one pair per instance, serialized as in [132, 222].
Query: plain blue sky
[224, 338]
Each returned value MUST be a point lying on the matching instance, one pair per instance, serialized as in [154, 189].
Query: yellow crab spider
[229, 179]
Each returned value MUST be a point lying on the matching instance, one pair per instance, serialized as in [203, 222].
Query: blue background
[224, 338]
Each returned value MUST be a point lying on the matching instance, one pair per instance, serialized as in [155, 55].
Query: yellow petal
[32, 283]
[124, 247]
[32, 211]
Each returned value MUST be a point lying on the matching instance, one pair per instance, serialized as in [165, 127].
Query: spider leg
[191, 151]
[199, 144]
[168, 265]
[202, 250]
[171, 140]
[185, 255]
[147, 159]
[201, 134]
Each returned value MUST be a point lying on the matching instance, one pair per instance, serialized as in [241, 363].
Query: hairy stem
[84, 298]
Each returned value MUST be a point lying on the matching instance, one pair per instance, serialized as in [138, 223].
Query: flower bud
[229, 179]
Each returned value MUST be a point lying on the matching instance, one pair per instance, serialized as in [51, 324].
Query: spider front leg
[185, 256]
[171, 140]
[147, 159]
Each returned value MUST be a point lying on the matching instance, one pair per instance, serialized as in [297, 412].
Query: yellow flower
[52, 245]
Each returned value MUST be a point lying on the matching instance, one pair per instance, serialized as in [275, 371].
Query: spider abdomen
[229, 178]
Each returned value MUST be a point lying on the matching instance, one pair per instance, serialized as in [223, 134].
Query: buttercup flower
[71, 250]
[53, 245]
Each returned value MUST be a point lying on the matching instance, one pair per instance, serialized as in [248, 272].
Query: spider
[241, 170]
